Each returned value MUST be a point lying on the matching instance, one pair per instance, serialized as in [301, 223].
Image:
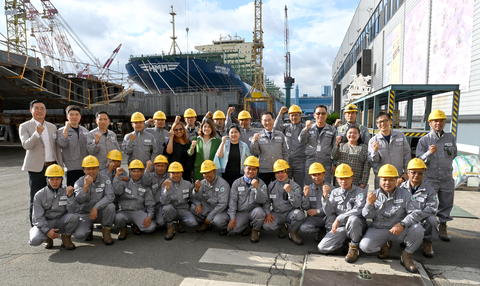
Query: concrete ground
[192, 258]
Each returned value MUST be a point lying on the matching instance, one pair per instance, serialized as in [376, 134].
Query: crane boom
[287, 78]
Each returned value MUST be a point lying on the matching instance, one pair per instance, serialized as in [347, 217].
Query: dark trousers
[37, 181]
[73, 176]
[267, 177]
[230, 177]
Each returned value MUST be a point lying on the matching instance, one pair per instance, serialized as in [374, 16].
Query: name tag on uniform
[142, 190]
[217, 189]
[399, 140]
[185, 196]
[312, 131]
[98, 190]
[54, 136]
[154, 186]
[338, 198]
[313, 199]
[262, 140]
[166, 138]
[241, 189]
[273, 196]
[319, 148]
[278, 138]
[63, 197]
[420, 199]
[329, 132]
[62, 203]
[448, 144]
[128, 191]
[378, 204]
[399, 201]
[185, 191]
[148, 140]
[288, 134]
[102, 185]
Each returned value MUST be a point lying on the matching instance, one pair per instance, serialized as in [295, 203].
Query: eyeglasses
[281, 172]
[385, 121]
[177, 130]
[415, 173]
[320, 113]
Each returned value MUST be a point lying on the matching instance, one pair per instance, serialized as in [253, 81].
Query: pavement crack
[277, 268]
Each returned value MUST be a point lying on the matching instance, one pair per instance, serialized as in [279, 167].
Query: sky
[317, 28]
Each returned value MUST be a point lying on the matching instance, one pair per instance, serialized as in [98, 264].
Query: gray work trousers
[66, 224]
[294, 218]
[170, 214]
[106, 217]
[124, 218]
[375, 238]
[159, 219]
[353, 229]
[242, 219]
[219, 221]
[430, 224]
[445, 193]
[313, 224]
[297, 172]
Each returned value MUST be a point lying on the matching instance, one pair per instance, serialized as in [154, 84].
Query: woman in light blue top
[230, 155]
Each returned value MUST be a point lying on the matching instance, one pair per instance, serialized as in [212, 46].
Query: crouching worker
[154, 178]
[94, 194]
[387, 206]
[175, 197]
[343, 206]
[135, 201]
[312, 202]
[114, 161]
[285, 197]
[210, 199]
[53, 211]
[247, 196]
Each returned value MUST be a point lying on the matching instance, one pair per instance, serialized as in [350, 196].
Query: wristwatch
[318, 211]
[402, 224]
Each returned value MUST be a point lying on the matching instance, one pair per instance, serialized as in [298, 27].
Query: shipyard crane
[174, 46]
[16, 26]
[287, 78]
[258, 92]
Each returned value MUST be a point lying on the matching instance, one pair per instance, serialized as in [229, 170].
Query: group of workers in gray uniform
[286, 185]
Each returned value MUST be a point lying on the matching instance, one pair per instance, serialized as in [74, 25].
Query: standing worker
[438, 149]
[388, 147]
[219, 120]
[73, 140]
[296, 158]
[319, 139]
[38, 139]
[139, 144]
[159, 132]
[100, 141]
[190, 117]
[269, 145]
[351, 114]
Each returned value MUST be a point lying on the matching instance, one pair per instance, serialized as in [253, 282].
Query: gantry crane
[258, 92]
[16, 26]
[287, 78]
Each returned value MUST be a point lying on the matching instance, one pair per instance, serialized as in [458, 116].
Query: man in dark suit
[38, 139]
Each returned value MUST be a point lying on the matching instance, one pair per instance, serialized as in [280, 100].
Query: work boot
[90, 234]
[247, 230]
[352, 254]
[136, 230]
[293, 236]
[67, 242]
[181, 227]
[170, 232]
[407, 261]
[223, 232]
[48, 243]
[122, 235]
[385, 251]
[107, 238]
[255, 237]
[427, 248]
[283, 231]
[202, 228]
[442, 228]
[321, 234]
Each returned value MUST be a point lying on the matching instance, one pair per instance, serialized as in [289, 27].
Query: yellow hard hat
[280, 165]
[436, 114]
[218, 115]
[244, 115]
[388, 171]
[137, 117]
[90, 161]
[416, 163]
[159, 115]
[136, 164]
[189, 113]
[350, 108]
[160, 159]
[114, 155]
[54, 170]
[343, 171]
[207, 166]
[251, 161]
[316, 168]
[294, 109]
[175, 167]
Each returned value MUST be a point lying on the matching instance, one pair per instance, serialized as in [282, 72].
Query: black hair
[234, 127]
[101, 112]
[344, 137]
[265, 113]
[383, 113]
[320, 106]
[72, 107]
[36, 101]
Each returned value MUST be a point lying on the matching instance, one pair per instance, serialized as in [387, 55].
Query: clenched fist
[98, 136]
[194, 143]
[375, 146]
[338, 122]
[326, 190]
[255, 183]
[432, 149]
[132, 137]
[198, 184]
[40, 129]
[224, 139]
[69, 191]
[283, 110]
[87, 181]
[231, 109]
[371, 198]
[338, 140]
[308, 124]
[287, 188]
[168, 184]
[119, 171]
[255, 137]
[306, 191]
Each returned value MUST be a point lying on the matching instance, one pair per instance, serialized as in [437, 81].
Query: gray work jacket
[422, 204]
[277, 202]
[318, 147]
[314, 199]
[269, 150]
[296, 149]
[111, 175]
[161, 135]
[388, 211]
[143, 148]
[439, 164]
[134, 196]
[155, 182]
[178, 195]
[396, 153]
[245, 197]
[74, 147]
[215, 196]
[340, 207]
[105, 145]
[99, 195]
[364, 133]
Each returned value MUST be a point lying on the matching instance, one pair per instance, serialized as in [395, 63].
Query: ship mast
[174, 38]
